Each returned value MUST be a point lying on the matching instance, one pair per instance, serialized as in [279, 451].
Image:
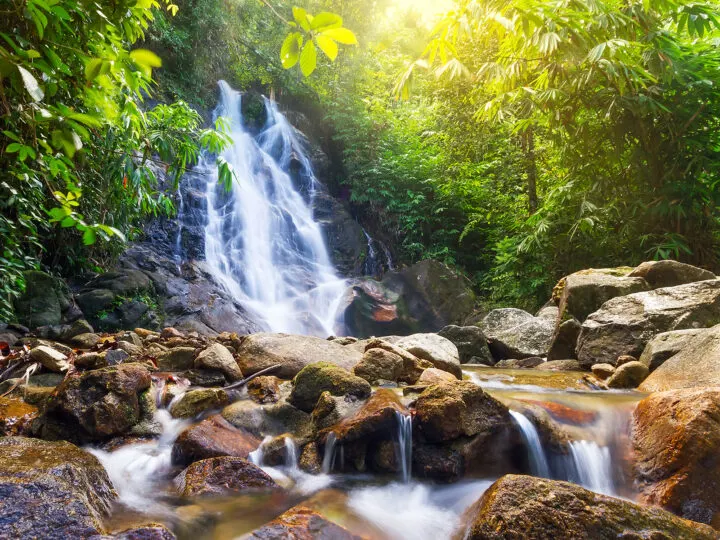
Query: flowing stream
[261, 240]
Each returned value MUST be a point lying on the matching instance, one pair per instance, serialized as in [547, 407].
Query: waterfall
[404, 445]
[329, 455]
[291, 454]
[538, 461]
[261, 241]
[376, 262]
[593, 466]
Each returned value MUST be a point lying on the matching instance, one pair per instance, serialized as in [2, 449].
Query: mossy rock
[320, 377]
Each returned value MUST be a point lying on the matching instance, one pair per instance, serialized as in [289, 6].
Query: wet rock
[514, 333]
[560, 365]
[696, 365]
[437, 350]
[435, 376]
[624, 325]
[585, 291]
[300, 523]
[97, 404]
[670, 273]
[293, 353]
[665, 345]
[470, 342]
[331, 410]
[43, 301]
[124, 282]
[16, 416]
[564, 340]
[628, 375]
[378, 416]
[217, 357]
[51, 490]
[676, 437]
[264, 389]
[528, 507]
[195, 402]
[317, 378]
[222, 475]
[603, 371]
[213, 437]
[50, 358]
[203, 377]
[152, 531]
[269, 418]
[85, 341]
[310, 460]
[113, 357]
[379, 364]
[177, 359]
[529, 362]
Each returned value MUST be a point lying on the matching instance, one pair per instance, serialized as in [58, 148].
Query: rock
[378, 416]
[130, 337]
[379, 364]
[81, 326]
[676, 437]
[527, 507]
[131, 349]
[217, 356]
[96, 301]
[412, 366]
[124, 282]
[585, 291]
[264, 389]
[170, 332]
[530, 362]
[293, 353]
[90, 360]
[344, 236]
[549, 311]
[194, 402]
[470, 342]
[97, 404]
[665, 345]
[564, 340]
[310, 460]
[43, 301]
[220, 476]
[84, 341]
[435, 376]
[628, 375]
[151, 531]
[603, 371]
[560, 365]
[437, 350]
[514, 333]
[113, 357]
[447, 411]
[319, 377]
[670, 273]
[696, 365]
[268, 419]
[179, 358]
[50, 359]
[51, 490]
[300, 523]
[624, 325]
[213, 437]
[16, 416]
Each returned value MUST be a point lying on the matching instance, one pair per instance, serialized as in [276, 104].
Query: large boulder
[514, 333]
[423, 297]
[213, 437]
[564, 340]
[123, 282]
[676, 437]
[292, 353]
[670, 273]
[440, 352]
[218, 357]
[379, 364]
[51, 490]
[585, 291]
[696, 365]
[98, 404]
[43, 301]
[528, 507]
[666, 345]
[624, 325]
[320, 377]
[220, 476]
[470, 342]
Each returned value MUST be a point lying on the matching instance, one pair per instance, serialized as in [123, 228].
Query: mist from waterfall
[261, 241]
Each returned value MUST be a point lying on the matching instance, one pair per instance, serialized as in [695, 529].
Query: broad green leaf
[341, 35]
[328, 46]
[325, 20]
[31, 85]
[13, 147]
[290, 50]
[145, 58]
[89, 237]
[308, 59]
[301, 17]
[92, 68]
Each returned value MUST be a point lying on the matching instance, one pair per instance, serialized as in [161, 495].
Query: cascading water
[593, 466]
[404, 445]
[538, 460]
[261, 241]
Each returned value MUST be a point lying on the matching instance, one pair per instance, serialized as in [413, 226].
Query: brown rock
[670, 273]
[320, 377]
[301, 523]
[310, 460]
[435, 376]
[213, 437]
[168, 333]
[218, 357]
[628, 375]
[379, 364]
[15, 416]
[264, 389]
[195, 402]
[221, 475]
[603, 371]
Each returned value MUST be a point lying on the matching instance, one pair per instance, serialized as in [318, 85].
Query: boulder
[435, 376]
[676, 437]
[527, 507]
[124, 282]
[51, 490]
[377, 417]
[213, 437]
[670, 273]
[514, 333]
[195, 402]
[50, 359]
[293, 353]
[603, 371]
[300, 523]
[585, 291]
[412, 365]
[379, 364]
[217, 356]
[220, 476]
[43, 301]
[665, 345]
[696, 365]
[628, 375]
[319, 377]
[178, 359]
[625, 324]
[470, 342]
[84, 341]
[98, 404]
[440, 352]
[95, 302]
[81, 326]
[564, 340]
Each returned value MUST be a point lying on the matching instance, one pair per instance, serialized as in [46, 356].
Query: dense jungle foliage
[516, 140]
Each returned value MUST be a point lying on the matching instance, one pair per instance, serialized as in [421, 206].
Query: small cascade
[404, 445]
[178, 255]
[291, 454]
[538, 460]
[329, 455]
[378, 259]
[593, 466]
[257, 456]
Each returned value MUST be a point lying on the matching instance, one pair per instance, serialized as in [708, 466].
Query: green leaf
[328, 46]
[341, 35]
[89, 237]
[301, 17]
[13, 147]
[308, 59]
[92, 68]
[290, 50]
[145, 58]
[31, 85]
[325, 20]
